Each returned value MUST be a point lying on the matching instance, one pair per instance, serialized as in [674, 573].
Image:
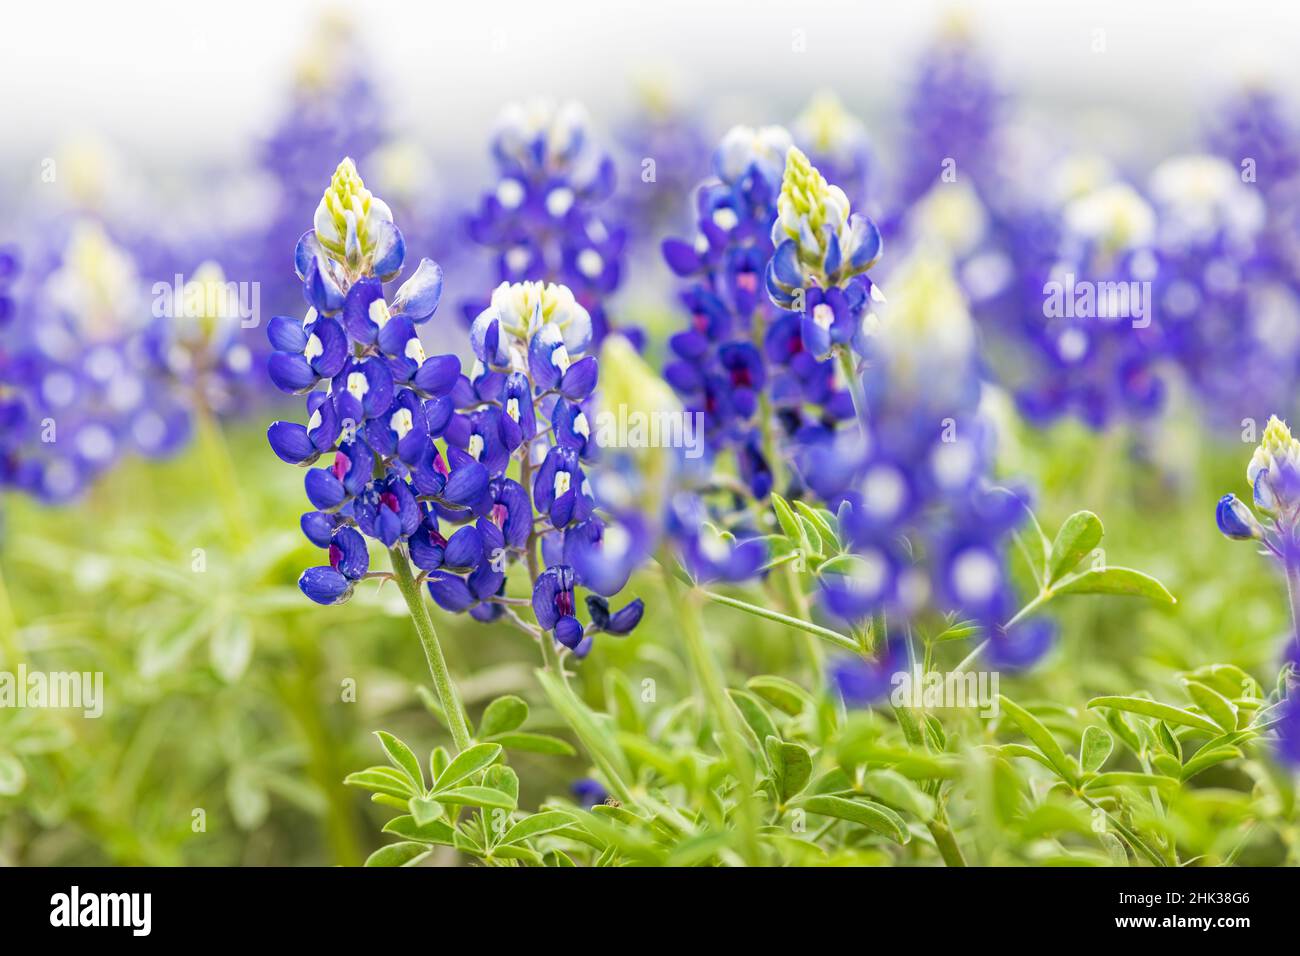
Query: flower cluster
[953, 114]
[743, 362]
[532, 386]
[80, 388]
[913, 488]
[385, 401]
[823, 252]
[543, 218]
[387, 405]
[1274, 477]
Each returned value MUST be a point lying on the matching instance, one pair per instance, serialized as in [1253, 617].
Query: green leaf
[1217, 707]
[786, 519]
[1123, 581]
[439, 831]
[467, 763]
[438, 760]
[1033, 728]
[500, 777]
[478, 797]
[382, 780]
[1020, 750]
[756, 718]
[249, 802]
[821, 520]
[1108, 781]
[1208, 757]
[398, 854]
[896, 790]
[402, 758]
[785, 695]
[12, 775]
[873, 816]
[536, 744]
[424, 810]
[1167, 764]
[1094, 749]
[506, 852]
[1079, 534]
[231, 648]
[538, 823]
[502, 716]
[1152, 708]
[791, 767]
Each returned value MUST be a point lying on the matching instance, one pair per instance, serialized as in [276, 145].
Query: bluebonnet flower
[664, 144]
[861, 682]
[911, 484]
[198, 339]
[1274, 478]
[382, 394]
[740, 352]
[80, 389]
[531, 345]
[1223, 304]
[589, 792]
[823, 252]
[543, 218]
[953, 113]
[1087, 343]
[349, 561]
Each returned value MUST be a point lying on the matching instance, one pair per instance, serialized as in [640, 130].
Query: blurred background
[148, 140]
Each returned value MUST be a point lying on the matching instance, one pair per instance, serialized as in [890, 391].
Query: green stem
[712, 684]
[825, 633]
[442, 682]
[221, 469]
[1293, 596]
[944, 840]
[802, 612]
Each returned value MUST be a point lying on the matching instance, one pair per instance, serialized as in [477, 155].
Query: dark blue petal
[290, 442]
[286, 334]
[291, 373]
[325, 585]
[349, 554]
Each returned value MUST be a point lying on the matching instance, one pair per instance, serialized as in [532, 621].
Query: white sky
[180, 82]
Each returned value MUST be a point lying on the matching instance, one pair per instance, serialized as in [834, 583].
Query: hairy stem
[442, 682]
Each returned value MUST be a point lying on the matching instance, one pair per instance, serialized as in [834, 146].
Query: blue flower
[349, 562]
